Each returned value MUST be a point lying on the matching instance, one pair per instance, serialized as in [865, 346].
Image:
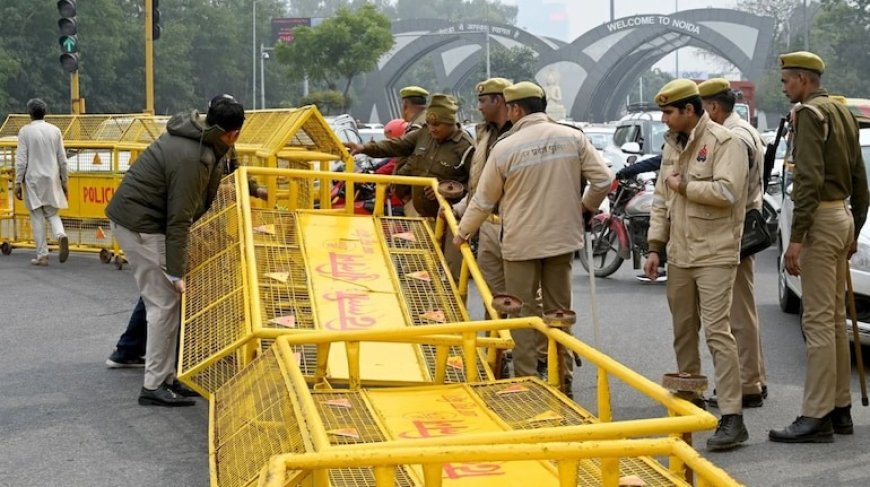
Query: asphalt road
[67, 420]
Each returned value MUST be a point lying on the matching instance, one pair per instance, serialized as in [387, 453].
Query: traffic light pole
[76, 103]
[149, 58]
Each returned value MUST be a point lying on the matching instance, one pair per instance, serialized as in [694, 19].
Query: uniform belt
[493, 218]
[824, 205]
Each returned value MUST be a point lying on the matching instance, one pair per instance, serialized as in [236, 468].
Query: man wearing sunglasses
[169, 186]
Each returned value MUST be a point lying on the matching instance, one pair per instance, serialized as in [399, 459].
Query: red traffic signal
[67, 8]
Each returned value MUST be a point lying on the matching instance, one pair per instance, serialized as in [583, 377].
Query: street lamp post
[254, 54]
[264, 55]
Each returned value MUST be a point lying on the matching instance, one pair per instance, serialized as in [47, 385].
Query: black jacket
[171, 184]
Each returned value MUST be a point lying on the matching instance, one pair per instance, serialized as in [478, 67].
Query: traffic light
[69, 41]
[155, 20]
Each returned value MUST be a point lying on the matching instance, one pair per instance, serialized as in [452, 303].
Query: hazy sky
[588, 14]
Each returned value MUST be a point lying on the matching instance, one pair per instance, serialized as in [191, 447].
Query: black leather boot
[805, 430]
[730, 433]
[841, 420]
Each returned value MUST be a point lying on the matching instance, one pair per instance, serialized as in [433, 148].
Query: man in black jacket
[169, 186]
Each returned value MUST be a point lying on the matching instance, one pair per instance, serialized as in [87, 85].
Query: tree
[652, 81]
[341, 47]
[516, 63]
[842, 31]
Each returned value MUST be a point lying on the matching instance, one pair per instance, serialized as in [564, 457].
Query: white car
[790, 286]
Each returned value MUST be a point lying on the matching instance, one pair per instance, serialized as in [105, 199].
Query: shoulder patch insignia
[702, 155]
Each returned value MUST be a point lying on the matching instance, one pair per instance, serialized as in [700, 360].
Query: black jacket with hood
[171, 184]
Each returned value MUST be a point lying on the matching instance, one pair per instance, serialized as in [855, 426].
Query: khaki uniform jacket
[828, 162]
[426, 157]
[534, 174]
[487, 134]
[755, 149]
[702, 222]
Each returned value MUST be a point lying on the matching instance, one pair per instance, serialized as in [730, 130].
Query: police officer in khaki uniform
[533, 175]
[698, 211]
[491, 103]
[718, 100]
[441, 150]
[829, 174]
[413, 108]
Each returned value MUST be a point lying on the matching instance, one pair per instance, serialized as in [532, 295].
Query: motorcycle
[364, 193]
[620, 234]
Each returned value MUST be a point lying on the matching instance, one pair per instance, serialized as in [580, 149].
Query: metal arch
[605, 80]
[605, 103]
[599, 85]
[380, 84]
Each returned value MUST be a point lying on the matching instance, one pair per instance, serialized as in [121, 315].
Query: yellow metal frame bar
[610, 366]
[566, 454]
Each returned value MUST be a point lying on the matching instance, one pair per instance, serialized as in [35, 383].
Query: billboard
[282, 28]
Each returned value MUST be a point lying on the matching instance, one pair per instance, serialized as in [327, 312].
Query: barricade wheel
[119, 262]
[6, 248]
[105, 256]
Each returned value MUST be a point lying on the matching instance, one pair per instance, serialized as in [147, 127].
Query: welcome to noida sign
[647, 20]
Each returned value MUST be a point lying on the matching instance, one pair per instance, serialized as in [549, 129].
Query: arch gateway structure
[587, 79]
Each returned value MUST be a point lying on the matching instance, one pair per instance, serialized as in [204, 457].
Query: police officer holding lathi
[698, 212]
[533, 175]
[829, 178]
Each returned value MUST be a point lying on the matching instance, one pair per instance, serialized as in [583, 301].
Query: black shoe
[841, 420]
[181, 389]
[63, 252]
[749, 401]
[163, 396]
[764, 392]
[730, 433]
[805, 430]
[118, 361]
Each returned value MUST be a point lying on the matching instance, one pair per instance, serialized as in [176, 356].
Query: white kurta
[40, 165]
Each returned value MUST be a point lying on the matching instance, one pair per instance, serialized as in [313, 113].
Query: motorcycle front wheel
[605, 250]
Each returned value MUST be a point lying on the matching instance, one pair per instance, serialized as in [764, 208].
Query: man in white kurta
[41, 176]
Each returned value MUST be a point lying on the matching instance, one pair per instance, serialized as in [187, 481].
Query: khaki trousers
[523, 279]
[744, 327]
[491, 264]
[147, 256]
[702, 295]
[489, 257]
[823, 282]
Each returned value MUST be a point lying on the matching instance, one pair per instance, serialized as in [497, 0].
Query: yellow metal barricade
[300, 269]
[99, 151]
[101, 148]
[266, 415]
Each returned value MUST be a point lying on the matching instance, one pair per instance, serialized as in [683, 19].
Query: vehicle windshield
[599, 139]
[626, 133]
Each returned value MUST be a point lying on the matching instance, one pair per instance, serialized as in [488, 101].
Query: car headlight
[861, 260]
